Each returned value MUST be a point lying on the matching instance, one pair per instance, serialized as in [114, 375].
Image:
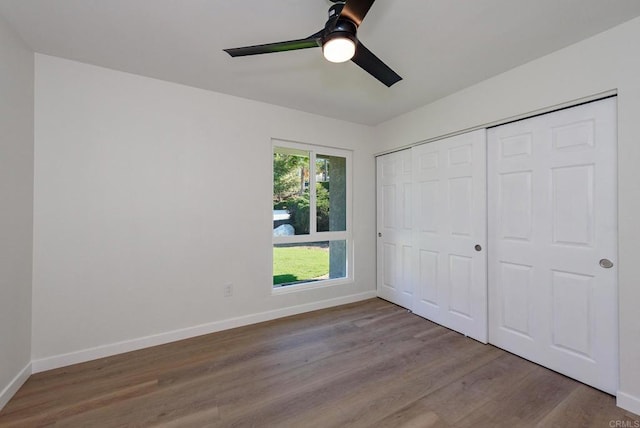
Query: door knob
[478, 247]
[606, 263]
[379, 234]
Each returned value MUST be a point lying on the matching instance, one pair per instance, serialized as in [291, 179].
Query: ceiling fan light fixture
[339, 47]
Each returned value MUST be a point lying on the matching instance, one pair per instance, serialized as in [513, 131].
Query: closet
[508, 235]
[432, 231]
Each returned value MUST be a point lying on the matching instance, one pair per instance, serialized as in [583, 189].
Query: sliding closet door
[553, 239]
[449, 233]
[395, 250]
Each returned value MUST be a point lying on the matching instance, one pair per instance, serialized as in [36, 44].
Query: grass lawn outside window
[301, 262]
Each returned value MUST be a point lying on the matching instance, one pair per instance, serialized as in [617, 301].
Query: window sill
[310, 285]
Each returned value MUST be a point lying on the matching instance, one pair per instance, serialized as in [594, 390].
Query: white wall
[605, 62]
[16, 210]
[150, 196]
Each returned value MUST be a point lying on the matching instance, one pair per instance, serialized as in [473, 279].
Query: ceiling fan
[338, 41]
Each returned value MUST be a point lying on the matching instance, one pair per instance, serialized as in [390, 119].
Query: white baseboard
[13, 387]
[628, 402]
[84, 355]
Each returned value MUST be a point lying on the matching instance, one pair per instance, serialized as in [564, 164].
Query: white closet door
[552, 233]
[394, 252]
[450, 232]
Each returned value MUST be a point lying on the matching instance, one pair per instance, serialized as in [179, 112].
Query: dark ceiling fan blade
[374, 66]
[355, 10]
[313, 41]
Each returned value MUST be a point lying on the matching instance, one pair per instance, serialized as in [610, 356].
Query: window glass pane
[331, 193]
[309, 262]
[290, 192]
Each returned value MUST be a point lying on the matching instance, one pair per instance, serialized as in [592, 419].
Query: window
[311, 234]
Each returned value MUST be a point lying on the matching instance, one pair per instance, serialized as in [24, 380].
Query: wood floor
[368, 364]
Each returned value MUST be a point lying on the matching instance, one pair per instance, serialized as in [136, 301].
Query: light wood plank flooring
[368, 364]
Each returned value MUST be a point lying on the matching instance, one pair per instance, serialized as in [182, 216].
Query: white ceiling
[437, 46]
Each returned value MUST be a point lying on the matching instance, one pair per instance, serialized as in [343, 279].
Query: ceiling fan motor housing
[335, 10]
[343, 29]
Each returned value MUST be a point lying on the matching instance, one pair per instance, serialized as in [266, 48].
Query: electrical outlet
[228, 290]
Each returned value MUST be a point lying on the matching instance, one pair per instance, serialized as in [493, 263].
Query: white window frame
[314, 235]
